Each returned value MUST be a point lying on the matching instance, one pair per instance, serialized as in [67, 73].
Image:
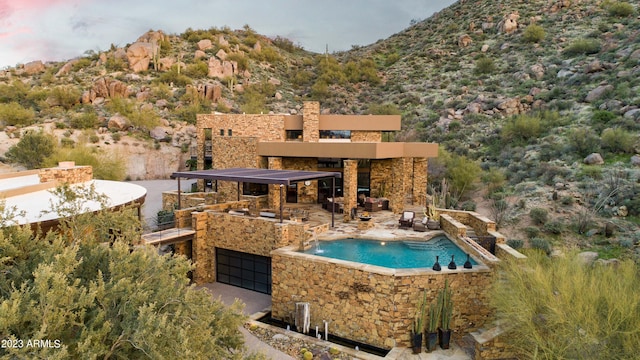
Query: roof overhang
[259, 176]
[352, 150]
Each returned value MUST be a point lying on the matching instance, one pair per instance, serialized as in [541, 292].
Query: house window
[221, 132]
[294, 134]
[254, 189]
[335, 134]
[230, 132]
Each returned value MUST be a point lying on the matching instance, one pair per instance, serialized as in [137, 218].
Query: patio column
[398, 188]
[350, 187]
[420, 181]
[274, 163]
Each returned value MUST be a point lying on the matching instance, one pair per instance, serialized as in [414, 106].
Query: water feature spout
[326, 329]
[303, 317]
[467, 264]
[316, 243]
[436, 266]
[452, 264]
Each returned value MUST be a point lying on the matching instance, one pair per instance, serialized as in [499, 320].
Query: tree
[32, 149]
[91, 299]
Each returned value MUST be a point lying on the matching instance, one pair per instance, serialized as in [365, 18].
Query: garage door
[244, 270]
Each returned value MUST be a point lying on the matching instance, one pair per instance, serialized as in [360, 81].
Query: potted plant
[432, 327]
[416, 331]
[446, 312]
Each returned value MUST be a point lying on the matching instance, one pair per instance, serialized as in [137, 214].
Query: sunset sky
[56, 30]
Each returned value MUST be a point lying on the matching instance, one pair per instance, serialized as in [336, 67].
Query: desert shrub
[65, 96]
[494, 179]
[240, 59]
[115, 64]
[161, 91]
[539, 216]
[554, 313]
[13, 114]
[106, 166]
[592, 172]
[267, 54]
[84, 120]
[362, 70]
[320, 90]
[541, 244]
[116, 136]
[284, 44]
[617, 140]
[567, 200]
[531, 232]
[554, 227]
[461, 172]
[383, 109]
[522, 128]
[468, 205]
[197, 70]
[93, 138]
[484, 65]
[619, 8]
[583, 141]
[533, 33]
[582, 47]
[189, 113]
[172, 77]
[67, 142]
[80, 64]
[515, 243]
[32, 149]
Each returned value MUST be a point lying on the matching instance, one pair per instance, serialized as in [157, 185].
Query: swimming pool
[397, 254]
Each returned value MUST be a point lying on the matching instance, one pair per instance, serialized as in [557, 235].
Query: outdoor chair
[406, 220]
[420, 225]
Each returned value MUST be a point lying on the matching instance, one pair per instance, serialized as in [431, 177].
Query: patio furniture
[421, 225]
[406, 221]
[372, 204]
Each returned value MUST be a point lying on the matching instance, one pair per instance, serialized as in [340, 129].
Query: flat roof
[259, 176]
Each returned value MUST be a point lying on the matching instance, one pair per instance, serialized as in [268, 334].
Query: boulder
[594, 159]
[108, 88]
[222, 69]
[222, 41]
[118, 122]
[588, 257]
[537, 70]
[165, 63]
[464, 41]
[158, 133]
[139, 56]
[598, 93]
[635, 160]
[152, 37]
[509, 24]
[205, 44]
[33, 67]
[199, 54]
[632, 114]
[594, 66]
[66, 68]
[484, 48]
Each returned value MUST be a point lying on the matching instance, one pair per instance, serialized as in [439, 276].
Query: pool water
[397, 254]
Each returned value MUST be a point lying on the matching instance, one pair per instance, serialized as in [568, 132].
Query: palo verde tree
[92, 296]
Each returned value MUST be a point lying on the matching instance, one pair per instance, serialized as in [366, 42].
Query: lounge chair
[406, 220]
[420, 225]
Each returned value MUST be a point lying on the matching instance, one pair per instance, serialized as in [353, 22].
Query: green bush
[84, 120]
[602, 117]
[522, 128]
[515, 243]
[555, 227]
[531, 232]
[620, 9]
[583, 141]
[539, 216]
[541, 244]
[13, 114]
[484, 65]
[533, 33]
[106, 166]
[554, 312]
[618, 140]
[32, 149]
[172, 77]
[65, 96]
[240, 59]
[582, 47]
[197, 70]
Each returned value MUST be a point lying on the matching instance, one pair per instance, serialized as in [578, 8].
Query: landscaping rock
[594, 159]
[598, 93]
[635, 160]
[588, 257]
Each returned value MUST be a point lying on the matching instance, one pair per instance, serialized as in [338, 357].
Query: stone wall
[311, 121]
[234, 152]
[307, 194]
[366, 136]
[420, 181]
[380, 177]
[480, 224]
[350, 187]
[69, 175]
[374, 307]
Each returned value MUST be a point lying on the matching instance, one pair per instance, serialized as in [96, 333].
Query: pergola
[260, 176]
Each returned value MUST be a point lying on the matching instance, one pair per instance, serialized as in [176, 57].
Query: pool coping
[292, 251]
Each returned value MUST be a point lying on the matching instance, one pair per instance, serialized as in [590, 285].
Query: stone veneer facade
[235, 137]
[370, 304]
[70, 174]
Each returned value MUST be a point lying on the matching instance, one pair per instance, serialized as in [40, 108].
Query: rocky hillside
[543, 95]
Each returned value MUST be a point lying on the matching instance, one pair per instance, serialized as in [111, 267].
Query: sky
[58, 30]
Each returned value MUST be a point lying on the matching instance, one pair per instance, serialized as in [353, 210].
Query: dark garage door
[244, 270]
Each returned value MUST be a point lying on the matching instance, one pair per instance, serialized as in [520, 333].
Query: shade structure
[260, 176]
